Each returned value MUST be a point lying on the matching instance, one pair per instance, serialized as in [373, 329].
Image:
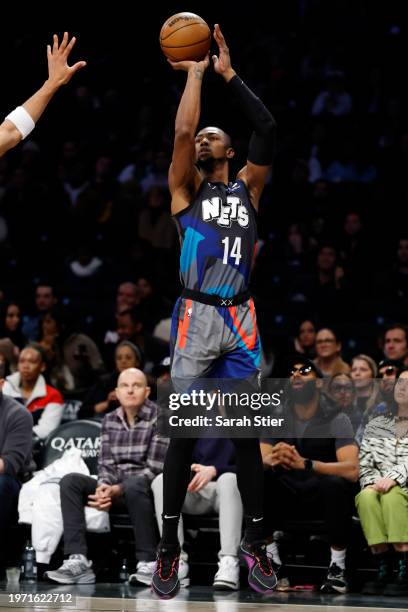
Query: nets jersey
[218, 239]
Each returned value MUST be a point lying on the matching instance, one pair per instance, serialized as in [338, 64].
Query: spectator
[86, 273]
[8, 356]
[396, 343]
[155, 222]
[153, 306]
[364, 372]
[315, 464]
[45, 299]
[157, 175]
[354, 249]
[127, 296]
[132, 454]
[306, 338]
[131, 327]
[328, 353]
[161, 372]
[29, 387]
[10, 324]
[388, 370]
[382, 503]
[324, 288]
[334, 100]
[213, 488]
[51, 338]
[394, 282]
[84, 360]
[342, 390]
[102, 399]
[16, 426]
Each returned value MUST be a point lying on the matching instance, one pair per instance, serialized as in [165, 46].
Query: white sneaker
[144, 573]
[75, 570]
[227, 577]
[183, 572]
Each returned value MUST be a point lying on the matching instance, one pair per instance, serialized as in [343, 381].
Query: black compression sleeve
[263, 139]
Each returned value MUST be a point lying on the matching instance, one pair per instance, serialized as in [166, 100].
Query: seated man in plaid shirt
[132, 454]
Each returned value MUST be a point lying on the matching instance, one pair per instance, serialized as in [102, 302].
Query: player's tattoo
[198, 72]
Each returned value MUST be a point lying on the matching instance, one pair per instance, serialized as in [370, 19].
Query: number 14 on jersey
[234, 253]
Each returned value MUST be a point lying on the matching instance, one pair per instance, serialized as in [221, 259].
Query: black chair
[85, 435]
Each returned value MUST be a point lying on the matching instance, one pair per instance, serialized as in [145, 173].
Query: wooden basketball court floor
[121, 597]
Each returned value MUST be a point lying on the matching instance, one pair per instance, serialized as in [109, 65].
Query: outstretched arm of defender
[183, 173]
[18, 124]
[262, 144]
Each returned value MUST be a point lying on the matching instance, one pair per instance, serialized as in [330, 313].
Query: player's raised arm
[20, 122]
[183, 174]
[262, 143]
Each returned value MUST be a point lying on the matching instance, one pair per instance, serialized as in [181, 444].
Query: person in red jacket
[28, 385]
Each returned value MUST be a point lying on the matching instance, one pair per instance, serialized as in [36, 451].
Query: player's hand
[204, 475]
[188, 65]
[59, 73]
[222, 62]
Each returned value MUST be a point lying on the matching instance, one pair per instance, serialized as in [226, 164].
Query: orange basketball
[185, 36]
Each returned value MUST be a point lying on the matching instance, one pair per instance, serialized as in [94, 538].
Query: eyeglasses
[303, 370]
[389, 371]
[342, 388]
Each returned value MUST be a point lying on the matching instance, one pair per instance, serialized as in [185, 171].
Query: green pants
[383, 516]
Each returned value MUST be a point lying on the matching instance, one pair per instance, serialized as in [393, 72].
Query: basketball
[185, 36]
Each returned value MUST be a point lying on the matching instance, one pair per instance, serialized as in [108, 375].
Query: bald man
[131, 455]
[21, 121]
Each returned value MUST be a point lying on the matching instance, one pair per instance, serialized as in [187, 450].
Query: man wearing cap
[162, 371]
[388, 370]
[313, 465]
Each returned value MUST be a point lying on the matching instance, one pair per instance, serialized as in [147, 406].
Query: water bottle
[123, 573]
[29, 563]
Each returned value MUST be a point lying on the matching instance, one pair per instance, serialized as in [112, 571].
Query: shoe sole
[184, 582]
[162, 596]
[331, 588]
[225, 586]
[82, 580]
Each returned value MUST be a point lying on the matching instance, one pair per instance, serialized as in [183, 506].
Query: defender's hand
[222, 63]
[188, 65]
[59, 73]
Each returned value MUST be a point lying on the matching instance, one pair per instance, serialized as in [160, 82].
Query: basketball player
[21, 121]
[214, 322]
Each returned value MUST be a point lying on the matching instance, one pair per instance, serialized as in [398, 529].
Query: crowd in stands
[89, 275]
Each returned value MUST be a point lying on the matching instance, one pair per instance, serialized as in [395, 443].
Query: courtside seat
[83, 434]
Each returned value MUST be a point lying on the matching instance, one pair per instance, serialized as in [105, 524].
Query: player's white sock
[338, 557]
[272, 551]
